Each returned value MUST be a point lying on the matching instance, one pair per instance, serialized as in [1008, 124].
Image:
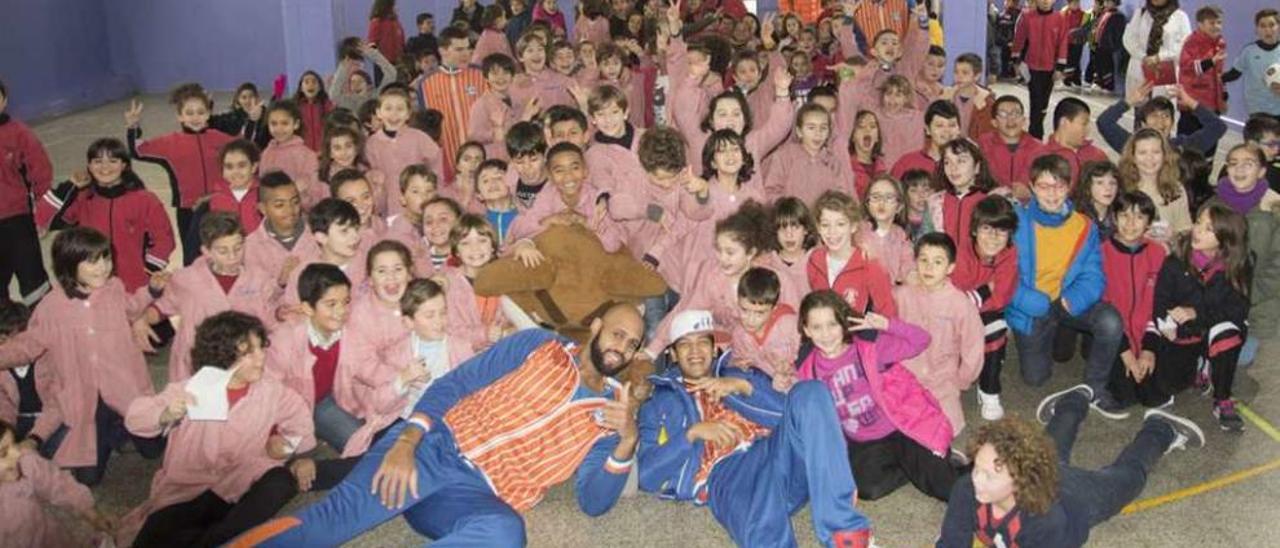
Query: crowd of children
[849, 244]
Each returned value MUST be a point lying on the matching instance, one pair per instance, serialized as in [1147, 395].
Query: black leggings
[882, 466]
[111, 435]
[208, 520]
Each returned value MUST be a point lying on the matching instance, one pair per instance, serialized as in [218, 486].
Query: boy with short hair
[494, 112]
[719, 436]
[566, 124]
[335, 228]
[612, 156]
[282, 240]
[27, 175]
[219, 280]
[305, 355]
[767, 334]
[1158, 113]
[1070, 138]
[452, 90]
[397, 145]
[928, 82]
[353, 187]
[972, 99]
[1009, 148]
[493, 198]
[572, 199]
[1060, 282]
[418, 186]
[953, 359]
[426, 38]
[1200, 68]
[1252, 62]
[942, 125]
[1135, 260]
[1024, 492]
[526, 146]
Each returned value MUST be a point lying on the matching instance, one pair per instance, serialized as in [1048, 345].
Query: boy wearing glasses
[1010, 149]
[1060, 281]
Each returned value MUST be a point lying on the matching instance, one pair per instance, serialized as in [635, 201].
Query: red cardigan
[388, 35]
[1131, 285]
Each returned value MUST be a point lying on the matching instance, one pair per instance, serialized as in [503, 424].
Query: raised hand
[620, 416]
[869, 321]
[80, 178]
[1137, 96]
[133, 115]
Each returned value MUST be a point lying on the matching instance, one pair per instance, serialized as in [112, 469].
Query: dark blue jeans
[1100, 494]
[1034, 348]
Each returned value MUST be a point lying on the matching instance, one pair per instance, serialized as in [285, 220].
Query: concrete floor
[1242, 514]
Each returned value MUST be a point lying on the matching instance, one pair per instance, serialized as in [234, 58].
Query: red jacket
[191, 158]
[132, 218]
[989, 284]
[1131, 285]
[1041, 39]
[1198, 75]
[388, 35]
[313, 114]
[21, 153]
[862, 282]
[246, 208]
[1010, 166]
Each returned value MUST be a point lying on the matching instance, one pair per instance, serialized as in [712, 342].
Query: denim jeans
[1103, 493]
[333, 425]
[1034, 348]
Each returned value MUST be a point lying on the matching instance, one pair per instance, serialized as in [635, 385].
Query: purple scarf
[1242, 202]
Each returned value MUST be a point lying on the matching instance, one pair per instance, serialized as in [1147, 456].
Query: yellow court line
[1147, 504]
[1257, 420]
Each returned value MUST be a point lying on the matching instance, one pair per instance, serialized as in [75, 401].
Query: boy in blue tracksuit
[722, 436]
[486, 441]
[1060, 282]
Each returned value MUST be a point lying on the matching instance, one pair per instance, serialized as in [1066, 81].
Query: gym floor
[1221, 495]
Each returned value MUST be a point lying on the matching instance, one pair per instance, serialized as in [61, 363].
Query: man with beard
[720, 435]
[486, 441]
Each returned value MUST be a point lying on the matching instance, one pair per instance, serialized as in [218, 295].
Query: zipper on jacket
[204, 171]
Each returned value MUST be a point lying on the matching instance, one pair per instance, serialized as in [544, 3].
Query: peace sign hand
[134, 115]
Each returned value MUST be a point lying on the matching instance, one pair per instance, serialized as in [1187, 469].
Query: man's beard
[598, 359]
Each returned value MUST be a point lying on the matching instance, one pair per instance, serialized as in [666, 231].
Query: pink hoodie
[225, 457]
[550, 87]
[298, 162]
[24, 519]
[911, 409]
[88, 343]
[610, 166]
[953, 359]
[631, 206]
[194, 294]
[391, 155]
[792, 171]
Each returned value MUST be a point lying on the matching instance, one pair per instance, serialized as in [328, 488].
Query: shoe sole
[1178, 421]
[1054, 397]
[1113, 415]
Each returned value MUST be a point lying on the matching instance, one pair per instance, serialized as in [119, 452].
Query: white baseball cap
[691, 322]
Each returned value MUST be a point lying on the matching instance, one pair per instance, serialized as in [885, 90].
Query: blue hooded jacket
[667, 460]
[1084, 282]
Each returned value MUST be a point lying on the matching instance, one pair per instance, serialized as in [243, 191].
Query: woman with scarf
[1154, 41]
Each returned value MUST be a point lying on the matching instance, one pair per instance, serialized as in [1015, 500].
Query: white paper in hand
[209, 386]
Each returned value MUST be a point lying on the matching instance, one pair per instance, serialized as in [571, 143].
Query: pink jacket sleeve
[143, 417]
[782, 117]
[915, 49]
[294, 420]
[901, 341]
[25, 347]
[848, 45]
[55, 485]
[972, 346]
[688, 101]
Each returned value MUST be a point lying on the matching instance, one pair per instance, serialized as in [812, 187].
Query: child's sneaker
[1185, 431]
[1106, 405]
[989, 406]
[1045, 411]
[1228, 419]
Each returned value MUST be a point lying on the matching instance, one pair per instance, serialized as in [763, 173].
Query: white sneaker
[989, 406]
[1185, 432]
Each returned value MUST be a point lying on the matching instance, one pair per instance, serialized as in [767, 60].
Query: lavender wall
[1238, 30]
[52, 59]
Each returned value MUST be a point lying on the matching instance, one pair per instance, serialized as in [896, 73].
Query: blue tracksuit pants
[456, 505]
[753, 493]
